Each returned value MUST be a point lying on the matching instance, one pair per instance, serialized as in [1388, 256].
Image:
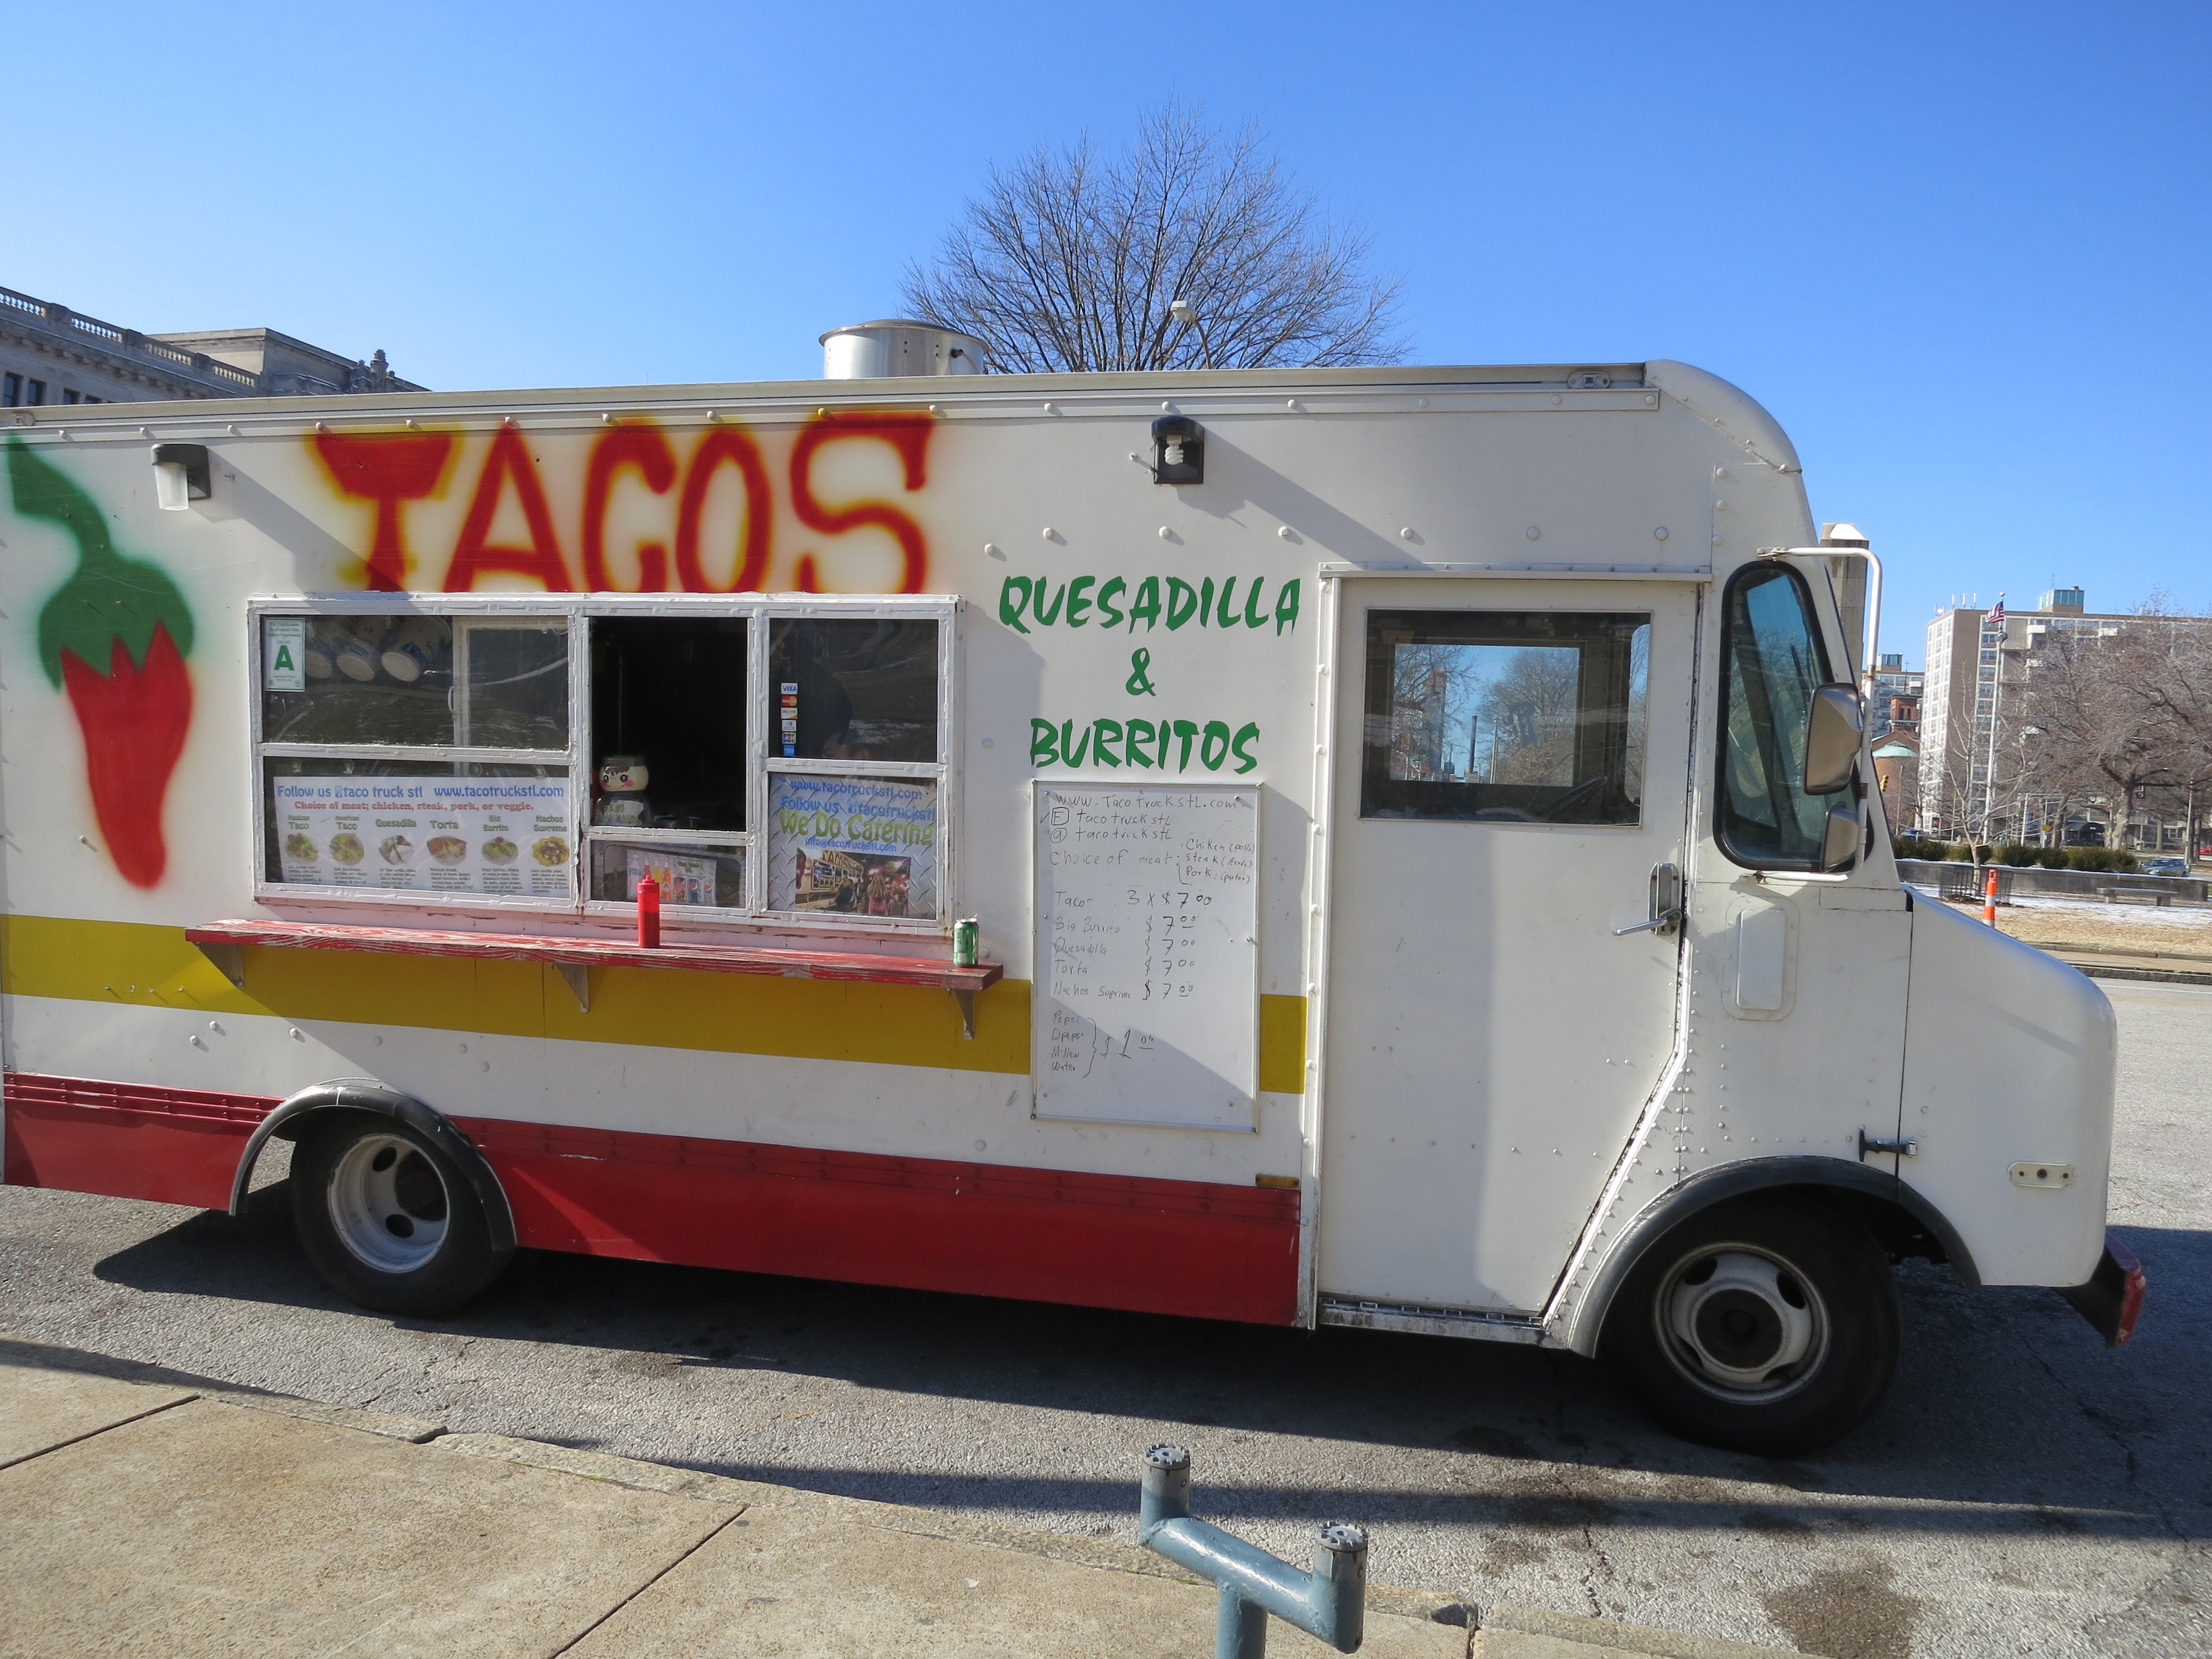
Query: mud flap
[2113, 1299]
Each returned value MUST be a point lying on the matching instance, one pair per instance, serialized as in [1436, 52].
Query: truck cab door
[1799, 935]
[1510, 767]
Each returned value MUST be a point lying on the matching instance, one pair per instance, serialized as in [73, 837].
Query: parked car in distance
[2164, 866]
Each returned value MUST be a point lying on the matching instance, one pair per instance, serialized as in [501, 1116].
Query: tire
[387, 1219]
[1763, 1326]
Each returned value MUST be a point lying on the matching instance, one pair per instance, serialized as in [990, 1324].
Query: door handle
[1666, 903]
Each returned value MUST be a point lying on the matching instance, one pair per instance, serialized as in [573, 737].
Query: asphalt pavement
[2023, 1490]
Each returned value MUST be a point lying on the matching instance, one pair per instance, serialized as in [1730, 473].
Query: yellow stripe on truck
[122, 962]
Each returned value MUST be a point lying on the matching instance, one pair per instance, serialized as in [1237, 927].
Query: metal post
[1329, 1602]
[1996, 712]
[1240, 1627]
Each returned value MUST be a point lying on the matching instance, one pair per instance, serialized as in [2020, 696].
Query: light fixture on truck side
[1178, 451]
[180, 475]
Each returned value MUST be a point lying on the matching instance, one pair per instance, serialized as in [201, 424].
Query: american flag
[1996, 618]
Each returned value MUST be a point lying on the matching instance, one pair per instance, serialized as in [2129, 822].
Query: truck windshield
[1774, 664]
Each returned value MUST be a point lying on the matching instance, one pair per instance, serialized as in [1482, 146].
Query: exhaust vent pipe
[893, 348]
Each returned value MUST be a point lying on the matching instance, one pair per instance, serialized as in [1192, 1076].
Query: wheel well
[296, 1115]
[1899, 1231]
[1902, 1222]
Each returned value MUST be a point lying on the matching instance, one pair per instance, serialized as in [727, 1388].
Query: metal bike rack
[1329, 1602]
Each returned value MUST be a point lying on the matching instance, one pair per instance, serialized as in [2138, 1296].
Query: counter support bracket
[228, 959]
[579, 975]
[967, 1002]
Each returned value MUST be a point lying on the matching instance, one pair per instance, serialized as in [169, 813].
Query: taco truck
[1378, 848]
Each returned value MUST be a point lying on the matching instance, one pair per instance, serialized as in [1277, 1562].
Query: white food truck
[1416, 817]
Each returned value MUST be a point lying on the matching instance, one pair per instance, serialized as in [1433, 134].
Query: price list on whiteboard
[1148, 954]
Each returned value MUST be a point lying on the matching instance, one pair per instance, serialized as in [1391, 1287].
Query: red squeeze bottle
[648, 913]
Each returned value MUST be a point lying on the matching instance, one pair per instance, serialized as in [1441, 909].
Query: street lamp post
[1186, 312]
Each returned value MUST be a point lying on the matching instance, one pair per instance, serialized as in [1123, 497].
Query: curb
[22, 1350]
[2096, 968]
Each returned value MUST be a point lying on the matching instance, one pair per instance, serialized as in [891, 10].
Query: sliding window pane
[357, 680]
[852, 847]
[689, 874]
[417, 826]
[514, 684]
[864, 690]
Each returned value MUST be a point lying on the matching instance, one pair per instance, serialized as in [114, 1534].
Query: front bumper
[2113, 1299]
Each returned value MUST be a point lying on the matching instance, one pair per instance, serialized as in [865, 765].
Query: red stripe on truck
[1200, 1248]
[125, 1140]
[1194, 1248]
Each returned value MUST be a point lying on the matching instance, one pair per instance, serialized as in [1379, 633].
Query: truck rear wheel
[1760, 1326]
[386, 1219]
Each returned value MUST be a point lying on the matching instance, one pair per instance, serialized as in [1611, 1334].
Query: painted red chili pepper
[115, 635]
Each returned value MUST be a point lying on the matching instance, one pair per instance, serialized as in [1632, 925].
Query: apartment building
[1978, 661]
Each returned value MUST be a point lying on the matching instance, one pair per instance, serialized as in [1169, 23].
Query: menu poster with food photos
[426, 835]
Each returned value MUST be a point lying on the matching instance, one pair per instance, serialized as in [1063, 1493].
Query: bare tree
[1072, 261]
[2108, 713]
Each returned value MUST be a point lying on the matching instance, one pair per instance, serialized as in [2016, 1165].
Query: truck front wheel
[1761, 1326]
[386, 1219]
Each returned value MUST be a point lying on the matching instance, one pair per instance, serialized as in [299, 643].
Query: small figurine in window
[622, 801]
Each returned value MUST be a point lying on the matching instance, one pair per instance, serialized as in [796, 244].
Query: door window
[1514, 716]
[1774, 664]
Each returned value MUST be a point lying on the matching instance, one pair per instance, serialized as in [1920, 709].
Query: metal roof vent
[893, 347]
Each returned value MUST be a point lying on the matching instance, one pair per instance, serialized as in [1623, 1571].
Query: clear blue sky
[1961, 251]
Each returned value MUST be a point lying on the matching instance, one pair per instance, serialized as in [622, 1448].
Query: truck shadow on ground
[2008, 1417]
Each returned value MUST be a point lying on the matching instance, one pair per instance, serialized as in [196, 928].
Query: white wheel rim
[388, 1203]
[1742, 1324]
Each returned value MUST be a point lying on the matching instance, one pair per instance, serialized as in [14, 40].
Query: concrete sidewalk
[144, 1512]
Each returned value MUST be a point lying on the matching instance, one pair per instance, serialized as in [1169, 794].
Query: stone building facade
[51, 355]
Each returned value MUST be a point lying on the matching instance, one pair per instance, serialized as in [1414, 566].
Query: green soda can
[967, 941]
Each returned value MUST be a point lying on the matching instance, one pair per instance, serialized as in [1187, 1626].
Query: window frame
[1817, 630]
[578, 610]
[1369, 676]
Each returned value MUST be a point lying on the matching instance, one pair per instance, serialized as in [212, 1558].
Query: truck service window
[1509, 716]
[750, 757]
[1772, 652]
[669, 746]
[853, 799]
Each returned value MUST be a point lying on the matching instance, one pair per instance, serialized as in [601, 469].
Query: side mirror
[1839, 841]
[1833, 728]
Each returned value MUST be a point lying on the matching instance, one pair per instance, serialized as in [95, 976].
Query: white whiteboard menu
[1148, 954]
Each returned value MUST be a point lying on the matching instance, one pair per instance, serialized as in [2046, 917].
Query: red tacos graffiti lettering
[390, 468]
